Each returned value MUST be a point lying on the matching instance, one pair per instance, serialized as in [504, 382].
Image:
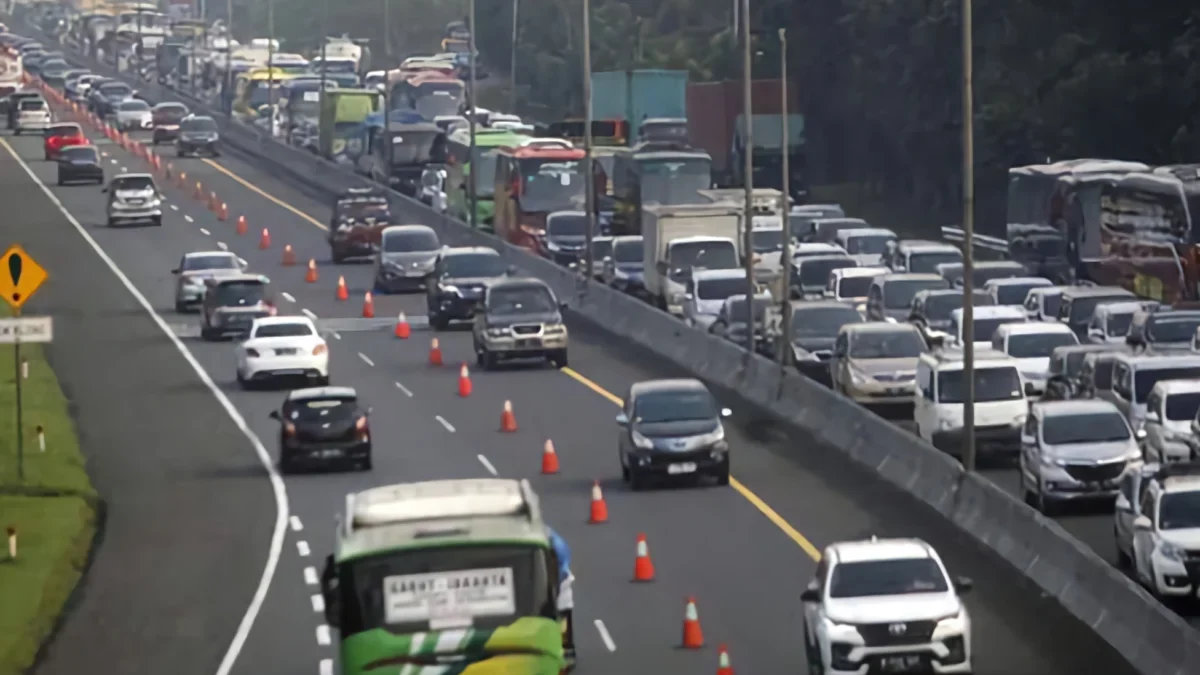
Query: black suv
[460, 278]
[198, 135]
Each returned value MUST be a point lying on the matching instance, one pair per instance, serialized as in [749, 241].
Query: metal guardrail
[979, 242]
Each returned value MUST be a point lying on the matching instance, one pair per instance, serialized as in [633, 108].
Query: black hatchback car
[460, 278]
[672, 429]
[80, 164]
[198, 135]
[323, 426]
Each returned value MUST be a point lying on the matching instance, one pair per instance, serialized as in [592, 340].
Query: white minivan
[1000, 401]
[1134, 376]
[1031, 344]
[986, 321]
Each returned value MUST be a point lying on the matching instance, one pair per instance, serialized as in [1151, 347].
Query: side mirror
[688, 296]
[1152, 416]
[175, 271]
[1142, 523]
[622, 420]
[330, 592]
[511, 270]
[104, 189]
[562, 304]
[810, 595]
[726, 412]
[661, 266]
[1140, 434]
[963, 585]
[274, 414]
[1029, 390]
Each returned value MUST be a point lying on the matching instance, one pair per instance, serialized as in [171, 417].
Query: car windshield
[237, 293]
[1182, 407]
[62, 130]
[321, 410]
[1089, 428]
[1172, 329]
[766, 241]
[33, 104]
[283, 330]
[823, 322]
[854, 287]
[890, 344]
[363, 209]
[868, 244]
[134, 106]
[481, 265]
[926, 263]
[410, 241]
[1118, 324]
[1081, 308]
[712, 255]
[567, 225]
[1179, 510]
[601, 249]
[628, 251]
[986, 328]
[169, 114]
[551, 185]
[991, 384]
[674, 406]
[138, 183]
[210, 262]
[899, 293]
[902, 576]
[1013, 294]
[1050, 304]
[1145, 378]
[720, 289]
[199, 124]
[1038, 345]
[814, 272]
[80, 154]
[939, 307]
[115, 90]
[528, 300]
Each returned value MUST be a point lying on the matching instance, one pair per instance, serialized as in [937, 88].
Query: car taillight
[289, 429]
[320, 349]
[252, 352]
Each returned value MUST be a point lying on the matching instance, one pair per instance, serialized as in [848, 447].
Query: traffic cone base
[508, 421]
[643, 567]
[693, 637]
[464, 382]
[549, 458]
[599, 512]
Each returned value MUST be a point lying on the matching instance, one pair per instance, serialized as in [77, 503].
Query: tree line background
[879, 80]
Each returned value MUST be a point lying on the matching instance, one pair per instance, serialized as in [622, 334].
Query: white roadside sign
[26, 329]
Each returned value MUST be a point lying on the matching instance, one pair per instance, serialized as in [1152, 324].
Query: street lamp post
[748, 180]
[784, 349]
[472, 189]
[387, 94]
[589, 185]
[271, 63]
[512, 62]
[324, 65]
[968, 172]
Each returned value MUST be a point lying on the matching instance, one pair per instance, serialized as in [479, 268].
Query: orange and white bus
[532, 182]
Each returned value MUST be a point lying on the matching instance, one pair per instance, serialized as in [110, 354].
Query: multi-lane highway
[745, 552]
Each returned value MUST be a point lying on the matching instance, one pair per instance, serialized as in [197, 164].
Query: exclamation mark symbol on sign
[15, 263]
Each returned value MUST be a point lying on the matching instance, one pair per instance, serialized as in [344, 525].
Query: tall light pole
[512, 61]
[747, 170]
[324, 65]
[589, 184]
[271, 63]
[784, 350]
[227, 93]
[387, 94]
[968, 172]
[472, 188]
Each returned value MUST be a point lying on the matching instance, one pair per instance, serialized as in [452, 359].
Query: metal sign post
[20, 278]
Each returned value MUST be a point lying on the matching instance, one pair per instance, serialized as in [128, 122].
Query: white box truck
[680, 238]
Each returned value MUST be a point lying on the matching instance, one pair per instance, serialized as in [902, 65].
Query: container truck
[636, 95]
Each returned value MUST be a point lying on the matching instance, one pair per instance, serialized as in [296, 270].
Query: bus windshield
[483, 167]
[675, 181]
[551, 184]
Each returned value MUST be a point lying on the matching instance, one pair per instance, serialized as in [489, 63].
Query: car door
[925, 401]
[1126, 508]
[837, 366]
[1143, 540]
[1030, 453]
[812, 610]
[1152, 445]
[623, 442]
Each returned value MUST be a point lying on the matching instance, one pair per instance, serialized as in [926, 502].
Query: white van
[1031, 345]
[987, 320]
[1134, 376]
[1000, 401]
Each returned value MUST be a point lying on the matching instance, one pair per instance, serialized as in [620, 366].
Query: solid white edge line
[307, 312]
[275, 549]
[302, 548]
[297, 526]
[323, 637]
[325, 667]
[288, 296]
[366, 359]
[603, 630]
[404, 389]
[449, 427]
[310, 576]
[488, 465]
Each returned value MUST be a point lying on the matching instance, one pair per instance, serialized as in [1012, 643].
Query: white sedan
[282, 346]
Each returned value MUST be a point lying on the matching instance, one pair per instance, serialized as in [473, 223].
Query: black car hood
[680, 429]
[409, 259]
[514, 319]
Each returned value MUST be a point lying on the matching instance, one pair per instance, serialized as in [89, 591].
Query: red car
[59, 136]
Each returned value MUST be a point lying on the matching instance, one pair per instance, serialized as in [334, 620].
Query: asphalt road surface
[745, 551]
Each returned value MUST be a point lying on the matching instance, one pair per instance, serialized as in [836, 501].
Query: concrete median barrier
[1151, 637]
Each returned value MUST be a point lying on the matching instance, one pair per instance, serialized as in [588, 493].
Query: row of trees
[879, 79]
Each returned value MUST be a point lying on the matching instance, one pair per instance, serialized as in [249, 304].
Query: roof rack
[440, 499]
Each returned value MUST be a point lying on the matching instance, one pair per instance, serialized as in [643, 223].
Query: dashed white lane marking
[297, 526]
[318, 602]
[323, 635]
[104, 154]
[449, 427]
[223, 246]
[603, 630]
[288, 296]
[336, 334]
[302, 548]
[310, 576]
[366, 359]
[325, 667]
[308, 313]
[488, 465]
[173, 207]
[189, 219]
[404, 389]
[113, 161]
[205, 232]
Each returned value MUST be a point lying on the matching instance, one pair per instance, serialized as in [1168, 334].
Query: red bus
[532, 182]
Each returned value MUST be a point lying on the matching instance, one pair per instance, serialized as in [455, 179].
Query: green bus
[459, 165]
[446, 577]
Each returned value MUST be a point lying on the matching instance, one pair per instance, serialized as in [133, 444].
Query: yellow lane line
[266, 195]
[771, 514]
[758, 503]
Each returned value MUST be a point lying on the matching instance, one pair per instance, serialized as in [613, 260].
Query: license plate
[334, 452]
[290, 351]
[900, 664]
[532, 342]
[681, 468]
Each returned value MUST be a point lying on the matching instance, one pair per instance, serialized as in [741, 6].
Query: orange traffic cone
[311, 275]
[264, 241]
[289, 256]
[643, 567]
[182, 179]
[464, 382]
[693, 637]
[508, 421]
[599, 507]
[342, 293]
[213, 204]
[435, 353]
[223, 212]
[368, 306]
[403, 330]
[242, 226]
[170, 170]
[723, 667]
[549, 457]
[199, 191]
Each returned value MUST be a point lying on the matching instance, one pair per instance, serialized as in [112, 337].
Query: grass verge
[52, 509]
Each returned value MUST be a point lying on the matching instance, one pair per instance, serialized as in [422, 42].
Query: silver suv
[519, 319]
[133, 197]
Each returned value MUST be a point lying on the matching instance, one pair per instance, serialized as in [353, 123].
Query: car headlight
[1170, 551]
[193, 281]
[497, 332]
[890, 319]
[451, 290]
[556, 329]
[861, 378]
[553, 246]
[1019, 419]
[945, 424]
[641, 442]
[1051, 460]
[153, 204]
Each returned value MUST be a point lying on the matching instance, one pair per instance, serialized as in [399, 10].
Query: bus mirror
[330, 592]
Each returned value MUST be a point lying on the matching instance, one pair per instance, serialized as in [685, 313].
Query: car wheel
[112, 222]
[207, 335]
[336, 256]
[1124, 562]
[488, 359]
[811, 654]
[285, 463]
[637, 481]
[723, 474]
[243, 382]
[157, 221]
[438, 321]
[180, 308]
[624, 472]
[559, 358]
[365, 465]
[16, 132]
[61, 181]
[323, 381]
